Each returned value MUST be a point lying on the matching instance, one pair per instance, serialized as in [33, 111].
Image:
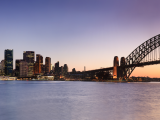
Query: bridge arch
[137, 55]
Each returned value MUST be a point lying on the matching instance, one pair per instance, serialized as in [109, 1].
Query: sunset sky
[79, 32]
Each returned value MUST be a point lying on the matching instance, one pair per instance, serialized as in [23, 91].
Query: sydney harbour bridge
[148, 53]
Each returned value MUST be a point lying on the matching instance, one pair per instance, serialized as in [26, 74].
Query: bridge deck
[127, 66]
[143, 64]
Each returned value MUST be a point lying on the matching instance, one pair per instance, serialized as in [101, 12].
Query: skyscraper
[28, 56]
[39, 64]
[61, 70]
[43, 69]
[65, 69]
[56, 68]
[8, 56]
[17, 66]
[47, 64]
[23, 69]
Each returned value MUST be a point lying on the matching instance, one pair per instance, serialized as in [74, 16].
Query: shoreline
[86, 80]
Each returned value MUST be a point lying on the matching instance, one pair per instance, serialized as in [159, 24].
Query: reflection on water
[68, 100]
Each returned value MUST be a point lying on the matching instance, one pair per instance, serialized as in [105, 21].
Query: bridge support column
[116, 68]
[122, 69]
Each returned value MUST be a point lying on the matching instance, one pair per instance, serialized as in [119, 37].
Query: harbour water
[76, 100]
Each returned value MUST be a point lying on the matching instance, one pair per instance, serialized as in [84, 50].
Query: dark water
[68, 100]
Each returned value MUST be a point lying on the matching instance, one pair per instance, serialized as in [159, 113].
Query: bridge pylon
[116, 68]
[122, 70]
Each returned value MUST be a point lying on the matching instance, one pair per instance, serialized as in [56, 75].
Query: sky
[79, 32]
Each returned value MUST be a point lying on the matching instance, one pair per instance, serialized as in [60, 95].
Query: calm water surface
[68, 100]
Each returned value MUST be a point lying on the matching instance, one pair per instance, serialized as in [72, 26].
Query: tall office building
[43, 69]
[36, 70]
[56, 68]
[47, 64]
[28, 56]
[17, 66]
[23, 69]
[65, 69]
[8, 56]
[61, 70]
[39, 64]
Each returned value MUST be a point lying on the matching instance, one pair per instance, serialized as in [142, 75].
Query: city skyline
[79, 33]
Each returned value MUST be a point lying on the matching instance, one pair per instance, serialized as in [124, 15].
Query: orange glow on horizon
[152, 71]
